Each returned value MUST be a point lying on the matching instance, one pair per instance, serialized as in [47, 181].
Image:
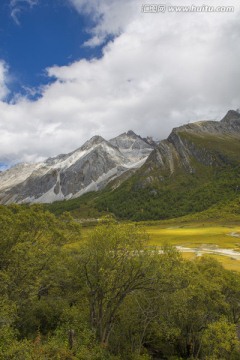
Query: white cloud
[18, 6]
[109, 16]
[3, 80]
[163, 70]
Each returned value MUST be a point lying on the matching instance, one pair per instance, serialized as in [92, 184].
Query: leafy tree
[220, 341]
[114, 266]
[31, 261]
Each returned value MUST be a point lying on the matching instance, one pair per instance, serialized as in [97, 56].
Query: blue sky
[35, 37]
[72, 69]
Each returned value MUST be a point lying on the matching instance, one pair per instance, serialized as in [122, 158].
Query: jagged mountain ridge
[193, 149]
[66, 176]
[196, 167]
[209, 143]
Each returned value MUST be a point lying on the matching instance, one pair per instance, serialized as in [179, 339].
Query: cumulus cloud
[110, 17]
[160, 71]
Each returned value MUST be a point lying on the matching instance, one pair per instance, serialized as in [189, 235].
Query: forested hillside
[175, 197]
[107, 295]
[195, 168]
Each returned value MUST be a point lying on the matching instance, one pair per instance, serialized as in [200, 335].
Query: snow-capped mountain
[132, 146]
[89, 168]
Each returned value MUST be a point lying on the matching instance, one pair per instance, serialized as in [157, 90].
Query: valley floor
[197, 239]
[193, 239]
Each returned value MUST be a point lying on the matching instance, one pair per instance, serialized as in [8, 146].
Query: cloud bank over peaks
[160, 71]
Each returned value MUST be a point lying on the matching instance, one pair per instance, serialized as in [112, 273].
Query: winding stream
[210, 249]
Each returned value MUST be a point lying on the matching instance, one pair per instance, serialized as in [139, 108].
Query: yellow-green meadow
[195, 235]
[222, 242]
[201, 240]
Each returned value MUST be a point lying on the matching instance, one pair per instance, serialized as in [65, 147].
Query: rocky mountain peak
[131, 133]
[231, 116]
[95, 140]
[230, 124]
[88, 168]
[149, 140]
[92, 166]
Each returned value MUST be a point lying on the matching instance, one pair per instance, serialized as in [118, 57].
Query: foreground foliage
[111, 297]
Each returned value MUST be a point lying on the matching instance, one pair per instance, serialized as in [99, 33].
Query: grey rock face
[132, 146]
[92, 166]
[195, 142]
[89, 168]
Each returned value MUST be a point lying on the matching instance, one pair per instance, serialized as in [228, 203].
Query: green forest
[166, 199]
[108, 295]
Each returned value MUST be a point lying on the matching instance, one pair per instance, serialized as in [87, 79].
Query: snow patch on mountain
[16, 174]
[89, 168]
[132, 146]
